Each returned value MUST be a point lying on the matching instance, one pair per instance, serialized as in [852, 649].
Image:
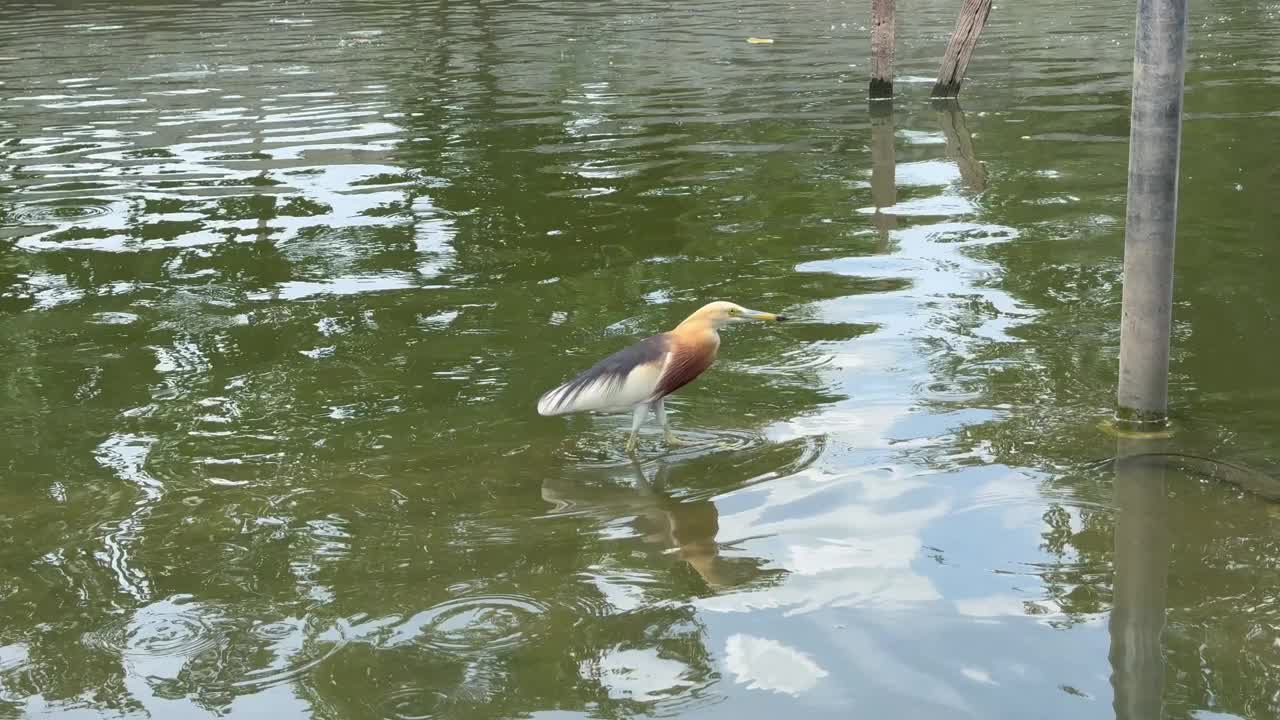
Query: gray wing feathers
[607, 381]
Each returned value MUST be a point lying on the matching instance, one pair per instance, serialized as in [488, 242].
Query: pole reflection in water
[884, 188]
[960, 145]
[1140, 583]
[683, 528]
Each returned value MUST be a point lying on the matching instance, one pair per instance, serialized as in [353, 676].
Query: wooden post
[1155, 138]
[973, 16]
[882, 46]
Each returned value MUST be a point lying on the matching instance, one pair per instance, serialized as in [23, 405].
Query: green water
[280, 284]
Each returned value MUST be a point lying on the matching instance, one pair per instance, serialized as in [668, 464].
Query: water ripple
[13, 656]
[294, 652]
[174, 627]
[127, 456]
[472, 625]
[411, 702]
[62, 211]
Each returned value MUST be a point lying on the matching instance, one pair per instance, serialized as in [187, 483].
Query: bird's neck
[697, 328]
[700, 337]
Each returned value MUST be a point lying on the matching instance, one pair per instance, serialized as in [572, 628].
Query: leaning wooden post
[1155, 139]
[882, 42]
[973, 16]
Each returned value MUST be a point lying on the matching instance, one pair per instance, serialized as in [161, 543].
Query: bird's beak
[758, 315]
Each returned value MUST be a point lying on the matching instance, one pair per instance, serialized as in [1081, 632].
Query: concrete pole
[1155, 138]
[882, 46]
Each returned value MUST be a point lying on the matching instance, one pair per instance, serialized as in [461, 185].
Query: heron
[639, 377]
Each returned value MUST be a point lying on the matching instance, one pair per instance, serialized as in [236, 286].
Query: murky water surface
[281, 282]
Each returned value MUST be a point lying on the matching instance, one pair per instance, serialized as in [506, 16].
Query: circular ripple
[473, 625]
[169, 635]
[61, 211]
[720, 440]
[796, 360]
[412, 703]
[585, 605]
[276, 631]
[159, 630]
[609, 451]
[295, 652]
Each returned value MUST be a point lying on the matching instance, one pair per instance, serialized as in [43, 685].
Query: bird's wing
[624, 379]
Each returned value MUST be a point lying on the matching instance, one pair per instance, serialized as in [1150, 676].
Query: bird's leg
[637, 419]
[661, 411]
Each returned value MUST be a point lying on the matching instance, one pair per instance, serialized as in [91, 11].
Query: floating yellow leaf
[760, 41]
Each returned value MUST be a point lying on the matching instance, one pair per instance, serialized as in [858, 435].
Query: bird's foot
[674, 441]
[632, 443]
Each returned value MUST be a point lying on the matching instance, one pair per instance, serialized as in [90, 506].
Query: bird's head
[721, 313]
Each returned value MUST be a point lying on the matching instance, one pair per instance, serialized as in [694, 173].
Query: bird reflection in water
[681, 528]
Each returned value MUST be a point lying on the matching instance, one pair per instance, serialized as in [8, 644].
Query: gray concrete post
[1155, 137]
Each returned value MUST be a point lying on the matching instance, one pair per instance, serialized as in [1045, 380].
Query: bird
[639, 377]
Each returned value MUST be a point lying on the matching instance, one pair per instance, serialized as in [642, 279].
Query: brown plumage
[693, 350]
[638, 377]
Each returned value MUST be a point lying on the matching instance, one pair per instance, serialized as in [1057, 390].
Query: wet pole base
[1126, 430]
